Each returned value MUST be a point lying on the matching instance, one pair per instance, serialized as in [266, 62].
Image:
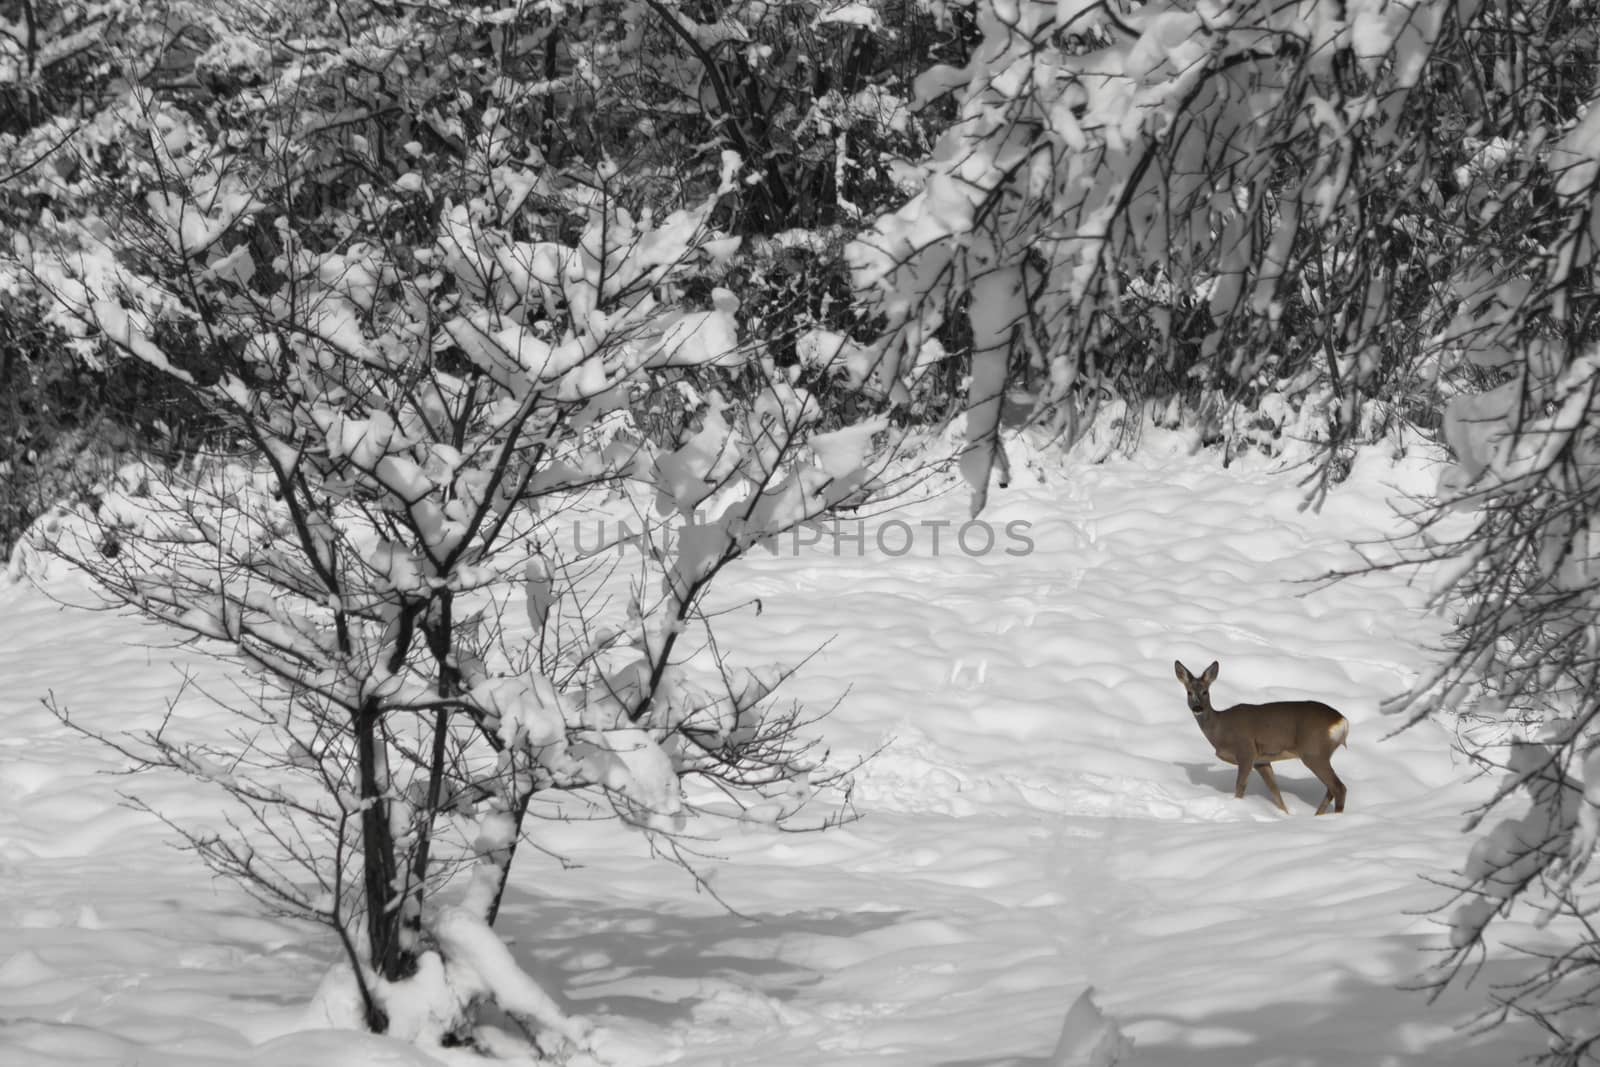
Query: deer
[1258, 735]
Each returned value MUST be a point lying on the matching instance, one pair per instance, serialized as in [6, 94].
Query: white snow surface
[1041, 817]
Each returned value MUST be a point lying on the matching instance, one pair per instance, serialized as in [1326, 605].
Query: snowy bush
[1512, 526]
[65, 424]
[1235, 202]
[427, 355]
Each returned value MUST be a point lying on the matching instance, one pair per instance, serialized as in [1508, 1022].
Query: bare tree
[427, 380]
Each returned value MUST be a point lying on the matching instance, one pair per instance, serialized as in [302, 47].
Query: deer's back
[1284, 727]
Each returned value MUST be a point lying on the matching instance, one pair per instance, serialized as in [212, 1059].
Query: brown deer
[1256, 735]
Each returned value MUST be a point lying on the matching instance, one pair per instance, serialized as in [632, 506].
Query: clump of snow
[1088, 1038]
[472, 946]
[636, 773]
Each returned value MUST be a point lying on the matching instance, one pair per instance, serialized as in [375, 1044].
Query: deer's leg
[1322, 767]
[1243, 778]
[1268, 776]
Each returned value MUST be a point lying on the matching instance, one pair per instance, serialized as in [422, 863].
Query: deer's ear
[1183, 675]
[1210, 674]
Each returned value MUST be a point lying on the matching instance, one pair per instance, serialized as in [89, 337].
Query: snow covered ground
[1043, 815]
